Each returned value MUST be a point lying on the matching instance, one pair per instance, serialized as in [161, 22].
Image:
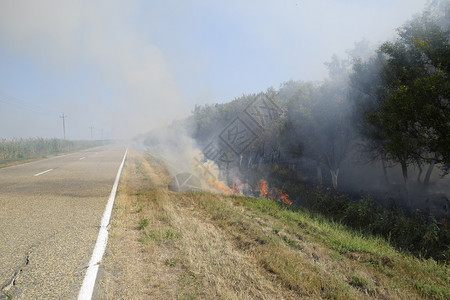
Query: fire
[272, 194]
[236, 188]
[223, 187]
[263, 188]
[282, 196]
[208, 172]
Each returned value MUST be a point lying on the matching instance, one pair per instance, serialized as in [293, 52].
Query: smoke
[129, 86]
[96, 63]
[126, 67]
[173, 146]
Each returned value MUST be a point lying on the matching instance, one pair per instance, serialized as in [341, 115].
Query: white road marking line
[43, 172]
[82, 158]
[87, 287]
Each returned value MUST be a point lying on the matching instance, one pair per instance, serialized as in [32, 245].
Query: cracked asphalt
[50, 212]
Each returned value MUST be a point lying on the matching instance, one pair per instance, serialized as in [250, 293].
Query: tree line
[389, 104]
[19, 149]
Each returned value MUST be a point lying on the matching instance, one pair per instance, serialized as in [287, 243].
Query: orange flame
[263, 188]
[273, 194]
[282, 196]
[236, 188]
[223, 187]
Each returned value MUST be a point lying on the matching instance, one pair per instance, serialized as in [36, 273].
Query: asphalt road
[50, 211]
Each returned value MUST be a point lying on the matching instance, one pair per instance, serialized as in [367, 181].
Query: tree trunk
[420, 172]
[405, 172]
[405, 179]
[334, 177]
[386, 179]
[249, 165]
[426, 180]
[228, 180]
[319, 174]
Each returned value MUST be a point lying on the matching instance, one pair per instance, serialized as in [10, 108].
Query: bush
[420, 235]
[38, 147]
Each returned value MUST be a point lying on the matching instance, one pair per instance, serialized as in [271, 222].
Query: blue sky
[125, 67]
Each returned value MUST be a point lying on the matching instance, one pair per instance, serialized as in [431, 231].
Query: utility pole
[92, 136]
[64, 124]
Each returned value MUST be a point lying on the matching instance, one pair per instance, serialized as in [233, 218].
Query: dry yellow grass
[165, 245]
[200, 261]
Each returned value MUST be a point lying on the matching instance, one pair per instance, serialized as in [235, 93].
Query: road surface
[50, 211]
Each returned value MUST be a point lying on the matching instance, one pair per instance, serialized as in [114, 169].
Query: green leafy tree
[403, 109]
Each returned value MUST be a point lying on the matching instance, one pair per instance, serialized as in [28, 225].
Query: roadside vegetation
[19, 150]
[202, 245]
[368, 147]
[416, 232]
[374, 133]
[385, 108]
[377, 123]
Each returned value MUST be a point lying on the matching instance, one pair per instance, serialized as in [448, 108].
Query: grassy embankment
[165, 245]
[425, 234]
[24, 150]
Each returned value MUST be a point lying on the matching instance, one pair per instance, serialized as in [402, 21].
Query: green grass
[170, 262]
[376, 251]
[143, 223]
[160, 235]
[190, 284]
[359, 281]
[292, 228]
[422, 236]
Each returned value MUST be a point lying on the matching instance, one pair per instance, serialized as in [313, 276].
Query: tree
[404, 112]
[334, 134]
[417, 81]
[366, 93]
[317, 126]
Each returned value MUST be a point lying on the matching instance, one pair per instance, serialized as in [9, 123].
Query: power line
[18, 103]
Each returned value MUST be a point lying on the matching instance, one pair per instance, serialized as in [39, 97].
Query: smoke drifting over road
[118, 70]
[113, 79]
[125, 68]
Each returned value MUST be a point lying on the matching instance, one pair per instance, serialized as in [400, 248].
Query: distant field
[166, 245]
[22, 150]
